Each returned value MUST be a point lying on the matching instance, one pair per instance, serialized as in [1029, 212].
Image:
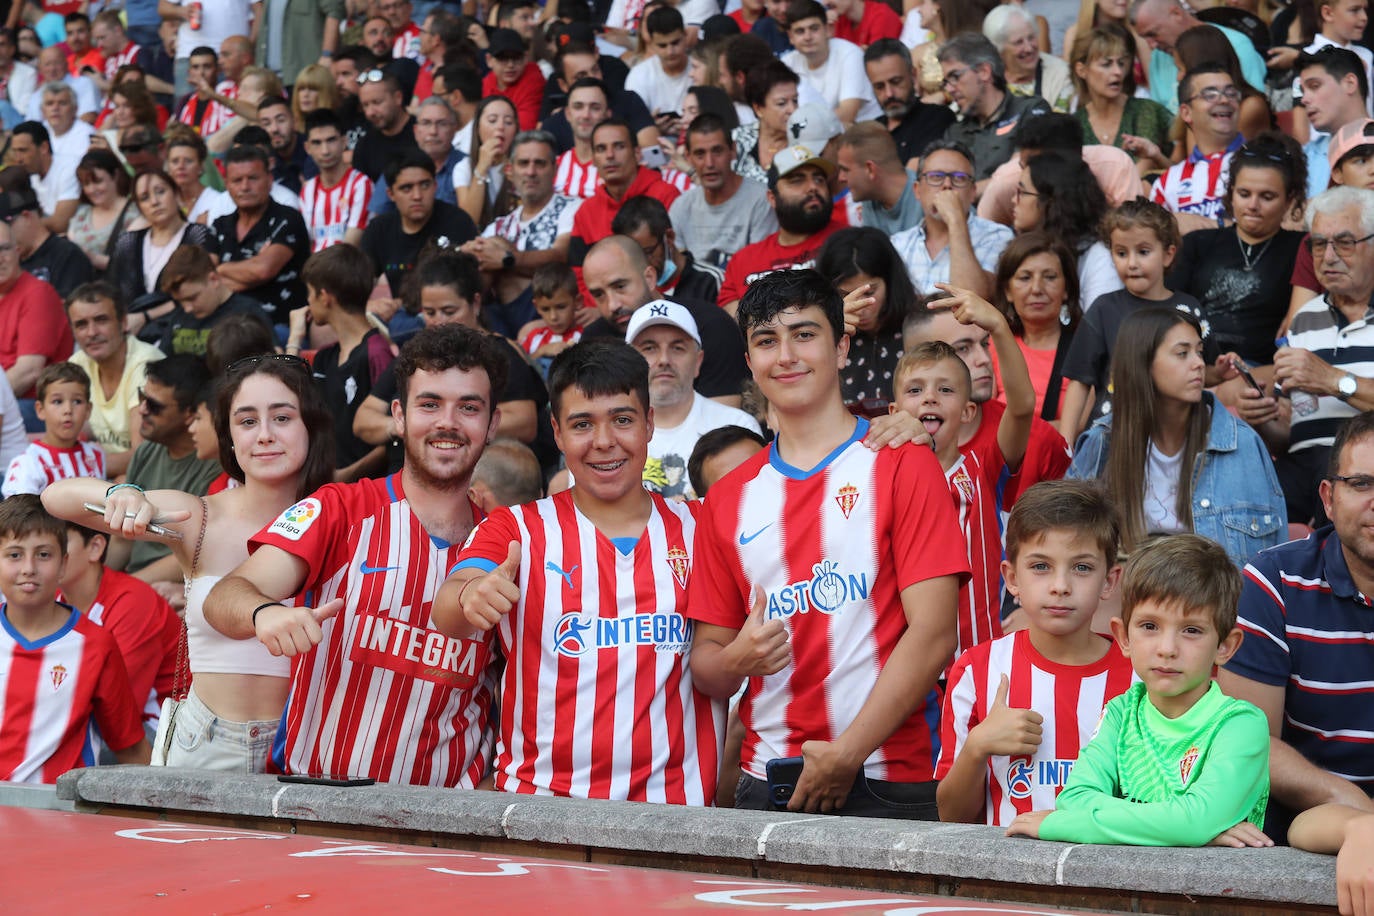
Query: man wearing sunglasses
[390, 128]
[951, 245]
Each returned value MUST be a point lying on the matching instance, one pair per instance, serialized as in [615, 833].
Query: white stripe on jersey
[44, 691]
[39, 465]
[574, 177]
[331, 212]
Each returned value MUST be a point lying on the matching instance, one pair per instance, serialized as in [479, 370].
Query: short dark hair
[95, 291]
[1338, 62]
[462, 79]
[362, 57]
[85, 533]
[233, 338]
[1052, 130]
[620, 123]
[1080, 506]
[707, 123]
[781, 290]
[1351, 431]
[181, 372]
[598, 367]
[549, 278]
[1185, 85]
[799, 10]
[343, 271]
[272, 101]
[887, 47]
[744, 52]
[454, 269]
[203, 51]
[188, 264]
[35, 131]
[663, 20]
[590, 82]
[322, 119]
[1184, 569]
[61, 372]
[407, 159]
[641, 210]
[248, 151]
[453, 346]
[760, 80]
[23, 514]
[712, 444]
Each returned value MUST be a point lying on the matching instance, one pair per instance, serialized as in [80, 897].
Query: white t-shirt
[58, 185]
[72, 145]
[218, 20]
[1161, 490]
[841, 77]
[13, 439]
[695, 12]
[87, 98]
[218, 203]
[1096, 274]
[659, 91]
[669, 449]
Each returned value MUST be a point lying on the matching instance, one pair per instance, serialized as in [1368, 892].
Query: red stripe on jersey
[331, 211]
[973, 487]
[808, 714]
[575, 177]
[536, 598]
[607, 670]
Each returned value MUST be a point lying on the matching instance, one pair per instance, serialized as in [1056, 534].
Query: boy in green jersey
[1175, 762]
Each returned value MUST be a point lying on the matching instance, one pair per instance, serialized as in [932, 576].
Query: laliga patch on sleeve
[296, 521]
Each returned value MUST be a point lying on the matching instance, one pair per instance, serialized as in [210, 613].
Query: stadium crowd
[924, 416]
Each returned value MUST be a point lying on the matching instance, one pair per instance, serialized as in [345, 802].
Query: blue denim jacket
[1236, 497]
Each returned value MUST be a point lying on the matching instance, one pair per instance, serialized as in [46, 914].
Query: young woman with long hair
[276, 438]
[1172, 458]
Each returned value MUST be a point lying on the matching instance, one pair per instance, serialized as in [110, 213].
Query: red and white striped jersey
[973, 486]
[206, 117]
[128, 56]
[1197, 184]
[597, 698]
[40, 464]
[574, 177]
[675, 177]
[547, 335]
[832, 548]
[384, 694]
[407, 43]
[332, 211]
[140, 620]
[1069, 697]
[52, 691]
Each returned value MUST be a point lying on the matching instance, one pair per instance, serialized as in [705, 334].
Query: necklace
[1248, 253]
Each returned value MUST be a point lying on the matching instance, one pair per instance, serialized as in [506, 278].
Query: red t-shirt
[879, 21]
[526, 93]
[767, 255]
[1047, 454]
[32, 322]
[140, 621]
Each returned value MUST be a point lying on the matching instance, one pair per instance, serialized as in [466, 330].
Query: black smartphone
[669, 114]
[328, 780]
[1245, 374]
[783, 773]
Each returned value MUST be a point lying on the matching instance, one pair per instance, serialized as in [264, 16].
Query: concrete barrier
[891, 855]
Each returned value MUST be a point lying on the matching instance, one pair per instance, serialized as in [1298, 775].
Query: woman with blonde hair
[1103, 64]
[1097, 13]
[314, 89]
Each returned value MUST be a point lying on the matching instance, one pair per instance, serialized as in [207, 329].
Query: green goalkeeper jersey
[1148, 780]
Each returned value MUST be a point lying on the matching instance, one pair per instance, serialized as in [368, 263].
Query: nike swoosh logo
[745, 539]
[368, 570]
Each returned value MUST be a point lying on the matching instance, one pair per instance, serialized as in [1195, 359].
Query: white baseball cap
[662, 311]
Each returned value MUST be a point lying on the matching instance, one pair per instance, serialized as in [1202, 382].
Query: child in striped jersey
[1019, 708]
[1175, 762]
[64, 406]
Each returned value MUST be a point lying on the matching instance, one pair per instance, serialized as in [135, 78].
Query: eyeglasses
[249, 362]
[1360, 483]
[649, 252]
[953, 76]
[1212, 94]
[152, 406]
[1344, 245]
[938, 179]
[440, 123]
[128, 149]
[371, 76]
[1022, 192]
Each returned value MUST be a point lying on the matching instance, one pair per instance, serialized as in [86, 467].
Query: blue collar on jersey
[46, 640]
[1236, 143]
[395, 493]
[787, 470]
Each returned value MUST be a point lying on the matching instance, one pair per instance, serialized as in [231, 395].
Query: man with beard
[721, 212]
[912, 123]
[292, 166]
[951, 246]
[679, 276]
[375, 553]
[620, 282]
[975, 80]
[536, 233]
[347, 65]
[390, 128]
[799, 190]
[587, 107]
[1209, 103]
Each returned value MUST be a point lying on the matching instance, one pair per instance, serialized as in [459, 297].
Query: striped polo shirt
[1323, 329]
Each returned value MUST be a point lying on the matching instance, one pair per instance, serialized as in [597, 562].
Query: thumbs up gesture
[1006, 730]
[291, 631]
[486, 599]
[761, 647]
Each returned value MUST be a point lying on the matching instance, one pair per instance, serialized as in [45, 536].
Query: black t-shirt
[394, 251]
[184, 333]
[61, 263]
[1244, 307]
[375, 149]
[918, 129]
[723, 369]
[1089, 359]
[279, 225]
[346, 385]
[625, 105]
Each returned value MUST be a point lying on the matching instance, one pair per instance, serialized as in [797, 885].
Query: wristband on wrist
[259, 609]
[123, 486]
[464, 589]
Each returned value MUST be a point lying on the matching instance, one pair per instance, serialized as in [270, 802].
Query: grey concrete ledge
[949, 853]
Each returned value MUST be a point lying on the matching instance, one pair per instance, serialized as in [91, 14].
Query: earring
[1064, 316]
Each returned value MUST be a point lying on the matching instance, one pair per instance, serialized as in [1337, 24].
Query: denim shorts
[202, 740]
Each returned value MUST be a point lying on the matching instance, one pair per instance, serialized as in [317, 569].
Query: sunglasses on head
[249, 362]
[371, 76]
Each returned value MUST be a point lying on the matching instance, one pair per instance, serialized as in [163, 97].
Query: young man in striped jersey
[586, 592]
[376, 691]
[335, 201]
[827, 576]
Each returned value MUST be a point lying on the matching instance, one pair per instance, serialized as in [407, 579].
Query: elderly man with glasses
[1324, 372]
[951, 245]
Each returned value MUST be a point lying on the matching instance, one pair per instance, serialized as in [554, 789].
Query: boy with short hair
[59, 672]
[553, 287]
[1007, 743]
[663, 78]
[933, 383]
[587, 591]
[832, 66]
[64, 406]
[1175, 762]
[203, 300]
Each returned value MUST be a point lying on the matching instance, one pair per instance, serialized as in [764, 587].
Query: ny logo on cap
[659, 311]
